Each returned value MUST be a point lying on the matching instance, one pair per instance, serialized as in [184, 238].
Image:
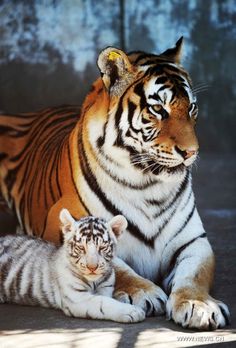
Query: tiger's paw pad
[152, 300]
[209, 314]
[133, 315]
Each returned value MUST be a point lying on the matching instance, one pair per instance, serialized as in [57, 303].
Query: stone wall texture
[48, 52]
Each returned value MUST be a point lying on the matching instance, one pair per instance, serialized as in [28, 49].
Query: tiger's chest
[151, 212]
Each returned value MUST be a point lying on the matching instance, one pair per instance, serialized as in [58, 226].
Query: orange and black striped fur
[129, 151]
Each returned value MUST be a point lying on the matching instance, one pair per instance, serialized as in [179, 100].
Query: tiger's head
[90, 243]
[152, 107]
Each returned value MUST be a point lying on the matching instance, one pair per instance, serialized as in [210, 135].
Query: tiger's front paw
[203, 314]
[144, 294]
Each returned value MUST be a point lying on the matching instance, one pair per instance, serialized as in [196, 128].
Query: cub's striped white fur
[77, 277]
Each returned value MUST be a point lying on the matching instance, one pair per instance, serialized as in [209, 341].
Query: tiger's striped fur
[77, 277]
[129, 152]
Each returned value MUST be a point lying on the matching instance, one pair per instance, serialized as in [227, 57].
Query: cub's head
[152, 107]
[90, 242]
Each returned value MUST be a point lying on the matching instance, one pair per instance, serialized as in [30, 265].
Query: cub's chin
[92, 276]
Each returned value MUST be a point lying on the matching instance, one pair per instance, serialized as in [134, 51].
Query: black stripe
[72, 178]
[188, 199]
[180, 250]
[180, 190]
[4, 270]
[138, 89]
[131, 109]
[101, 310]
[105, 278]
[183, 225]
[119, 113]
[3, 155]
[10, 179]
[161, 80]
[45, 298]
[92, 183]
[143, 55]
[12, 132]
[101, 139]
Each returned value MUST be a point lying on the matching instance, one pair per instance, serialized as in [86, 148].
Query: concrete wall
[48, 52]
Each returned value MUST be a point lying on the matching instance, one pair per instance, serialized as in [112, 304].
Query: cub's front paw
[144, 294]
[203, 313]
[131, 314]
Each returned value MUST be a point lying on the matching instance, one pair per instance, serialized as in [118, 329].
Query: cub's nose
[92, 267]
[186, 153]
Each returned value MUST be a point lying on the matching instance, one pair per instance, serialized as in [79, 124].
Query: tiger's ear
[116, 70]
[118, 225]
[174, 53]
[67, 222]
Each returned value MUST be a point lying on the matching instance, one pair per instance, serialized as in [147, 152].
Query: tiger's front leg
[133, 289]
[189, 303]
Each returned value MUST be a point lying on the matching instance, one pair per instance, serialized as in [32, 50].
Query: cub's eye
[193, 110]
[158, 111]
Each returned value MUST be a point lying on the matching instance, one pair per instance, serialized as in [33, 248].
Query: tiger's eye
[158, 111]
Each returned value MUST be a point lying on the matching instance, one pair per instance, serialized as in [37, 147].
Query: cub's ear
[118, 224]
[116, 70]
[174, 53]
[67, 221]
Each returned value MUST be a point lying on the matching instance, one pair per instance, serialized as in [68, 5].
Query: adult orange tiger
[128, 152]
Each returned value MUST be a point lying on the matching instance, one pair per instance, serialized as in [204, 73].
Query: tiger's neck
[108, 182]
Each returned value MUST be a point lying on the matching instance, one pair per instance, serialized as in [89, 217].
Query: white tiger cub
[77, 277]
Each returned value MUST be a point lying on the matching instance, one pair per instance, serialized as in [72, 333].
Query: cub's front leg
[133, 289]
[189, 303]
[102, 307]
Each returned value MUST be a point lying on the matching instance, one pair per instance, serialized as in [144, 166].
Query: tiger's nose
[92, 267]
[186, 153]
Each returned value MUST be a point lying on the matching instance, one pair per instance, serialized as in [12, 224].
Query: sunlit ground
[111, 338]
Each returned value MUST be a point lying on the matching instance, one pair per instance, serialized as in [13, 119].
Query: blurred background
[48, 52]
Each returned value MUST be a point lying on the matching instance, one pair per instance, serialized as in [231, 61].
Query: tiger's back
[30, 153]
